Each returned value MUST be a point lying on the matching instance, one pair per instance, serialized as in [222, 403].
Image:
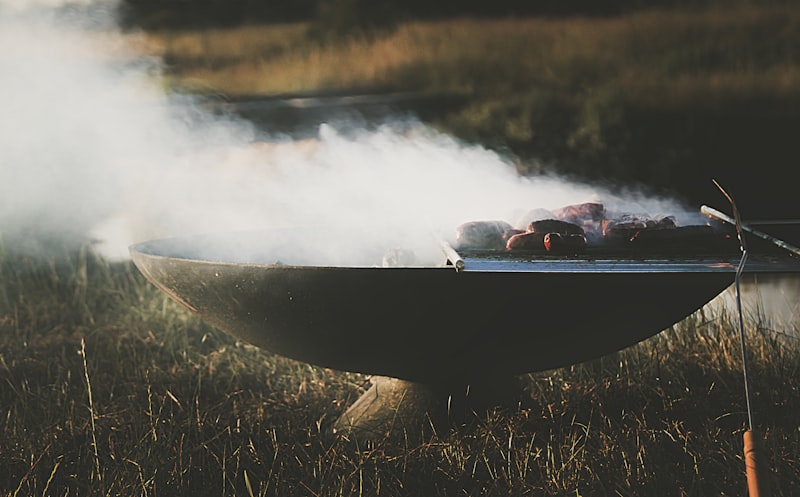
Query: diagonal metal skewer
[708, 211]
[453, 257]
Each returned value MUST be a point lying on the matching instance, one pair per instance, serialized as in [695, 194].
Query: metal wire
[739, 270]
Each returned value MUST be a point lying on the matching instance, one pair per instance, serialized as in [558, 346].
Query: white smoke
[93, 145]
[18, 6]
[86, 125]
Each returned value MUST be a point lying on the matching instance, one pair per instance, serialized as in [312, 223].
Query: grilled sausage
[527, 241]
[509, 233]
[580, 214]
[564, 244]
[533, 215]
[555, 226]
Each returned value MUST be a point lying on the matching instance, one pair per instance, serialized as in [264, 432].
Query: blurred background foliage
[664, 93]
[348, 16]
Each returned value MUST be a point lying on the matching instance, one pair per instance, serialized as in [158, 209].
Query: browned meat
[625, 222]
[666, 222]
[625, 228]
[619, 231]
[697, 238]
[555, 226]
[533, 215]
[482, 235]
[509, 233]
[589, 216]
[582, 225]
[581, 213]
[564, 244]
[527, 241]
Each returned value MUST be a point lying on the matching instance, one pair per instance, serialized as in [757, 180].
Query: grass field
[109, 388]
[665, 98]
[678, 55]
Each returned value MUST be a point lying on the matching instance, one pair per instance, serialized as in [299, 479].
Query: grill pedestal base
[399, 409]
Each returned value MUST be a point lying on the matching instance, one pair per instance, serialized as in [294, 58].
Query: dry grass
[674, 52]
[663, 98]
[108, 388]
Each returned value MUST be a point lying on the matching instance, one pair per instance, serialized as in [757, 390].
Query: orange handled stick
[755, 488]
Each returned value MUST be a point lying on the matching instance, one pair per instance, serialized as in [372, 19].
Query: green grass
[109, 388]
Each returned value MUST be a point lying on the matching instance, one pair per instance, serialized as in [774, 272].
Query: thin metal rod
[775, 222]
[739, 269]
[745, 366]
[452, 256]
[708, 211]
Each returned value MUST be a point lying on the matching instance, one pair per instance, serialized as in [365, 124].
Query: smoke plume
[93, 146]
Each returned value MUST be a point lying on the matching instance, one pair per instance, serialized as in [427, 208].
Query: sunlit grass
[738, 47]
[665, 98]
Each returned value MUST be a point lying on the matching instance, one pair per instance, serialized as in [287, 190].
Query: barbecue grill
[474, 315]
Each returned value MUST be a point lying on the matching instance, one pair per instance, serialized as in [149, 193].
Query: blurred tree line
[337, 17]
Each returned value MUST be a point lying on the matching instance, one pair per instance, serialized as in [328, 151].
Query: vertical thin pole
[754, 488]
